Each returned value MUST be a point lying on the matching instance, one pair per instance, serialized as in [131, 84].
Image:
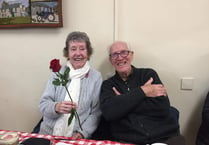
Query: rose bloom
[55, 65]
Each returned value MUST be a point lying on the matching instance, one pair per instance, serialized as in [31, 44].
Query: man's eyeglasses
[123, 53]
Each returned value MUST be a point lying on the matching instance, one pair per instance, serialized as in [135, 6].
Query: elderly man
[135, 103]
[203, 133]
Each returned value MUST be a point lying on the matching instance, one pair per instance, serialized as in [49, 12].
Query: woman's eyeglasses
[123, 53]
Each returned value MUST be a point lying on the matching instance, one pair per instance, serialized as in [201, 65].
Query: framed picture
[30, 13]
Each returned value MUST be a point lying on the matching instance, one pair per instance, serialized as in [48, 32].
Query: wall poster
[30, 13]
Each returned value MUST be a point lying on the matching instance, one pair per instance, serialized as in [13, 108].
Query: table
[63, 139]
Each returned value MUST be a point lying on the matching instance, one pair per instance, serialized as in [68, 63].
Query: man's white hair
[128, 45]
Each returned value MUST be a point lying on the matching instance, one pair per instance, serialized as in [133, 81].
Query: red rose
[55, 65]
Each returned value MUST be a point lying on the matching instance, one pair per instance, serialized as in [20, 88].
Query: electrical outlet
[187, 83]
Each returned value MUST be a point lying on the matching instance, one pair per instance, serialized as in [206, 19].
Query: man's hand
[153, 90]
[116, 91]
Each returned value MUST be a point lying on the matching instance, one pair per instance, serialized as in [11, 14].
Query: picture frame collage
[30, 13]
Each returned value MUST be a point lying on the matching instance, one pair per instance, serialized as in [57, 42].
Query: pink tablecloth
[67, 140]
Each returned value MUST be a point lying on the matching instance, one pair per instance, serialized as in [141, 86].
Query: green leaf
[61, 76]
[56, 82]
[71, 116]
[66, 73]
[64, 76]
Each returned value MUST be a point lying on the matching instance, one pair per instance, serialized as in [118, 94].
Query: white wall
[169, 36]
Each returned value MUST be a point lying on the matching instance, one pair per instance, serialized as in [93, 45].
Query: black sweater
[203, 133]
[133, 117]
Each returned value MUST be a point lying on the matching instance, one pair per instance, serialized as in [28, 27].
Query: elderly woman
[84, 87]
